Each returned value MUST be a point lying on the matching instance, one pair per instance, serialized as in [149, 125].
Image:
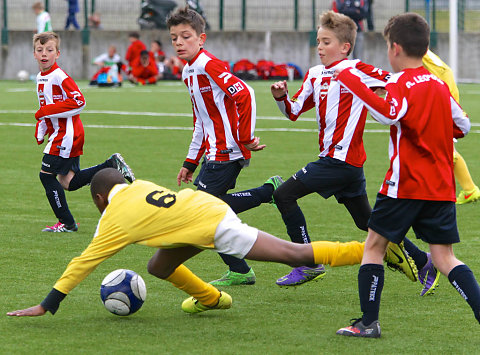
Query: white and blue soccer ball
[123, 292]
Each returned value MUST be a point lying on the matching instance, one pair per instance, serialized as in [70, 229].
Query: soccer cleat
[358, 329]
[232, 278]
[468, 196]
[61, 228]
[191, 304]
[275, 181]
[397, 258]
[428, 277]
[299, 275]
[120, 165]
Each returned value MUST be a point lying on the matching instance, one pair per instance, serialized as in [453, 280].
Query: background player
[224, 113]
[341, 121]
[60, 103]
[419, 187]
[470, 192]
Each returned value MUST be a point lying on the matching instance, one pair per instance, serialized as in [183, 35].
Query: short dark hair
[134, 35]
[187, 16]
[144, 53]
[104, 180]
[158, 42]
[410, 31]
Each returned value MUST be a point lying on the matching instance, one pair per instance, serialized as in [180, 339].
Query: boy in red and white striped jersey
[224, 114]
[58, 117]
[341, 121]
[419, 187]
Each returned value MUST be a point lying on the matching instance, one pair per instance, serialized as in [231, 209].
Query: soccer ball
[22, 75]
[123, 292]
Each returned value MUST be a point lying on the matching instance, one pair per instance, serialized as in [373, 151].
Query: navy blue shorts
[54, 164]
[217, 179]
[434, 222]
[328, 176]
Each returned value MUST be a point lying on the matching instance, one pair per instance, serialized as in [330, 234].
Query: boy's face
[186, 41]
[46, 54]
[329, 48]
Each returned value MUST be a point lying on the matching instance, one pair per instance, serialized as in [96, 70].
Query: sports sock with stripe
[84, 176]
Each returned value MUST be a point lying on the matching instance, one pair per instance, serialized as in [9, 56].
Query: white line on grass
[170, 114]
[179, 128]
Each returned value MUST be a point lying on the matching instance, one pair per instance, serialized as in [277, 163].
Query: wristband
[52, 301]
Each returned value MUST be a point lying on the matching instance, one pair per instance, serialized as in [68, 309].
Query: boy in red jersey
[419, 187]
[341, 121]
[144, 69]
[134, 49]
[224, 113]
[58, 117]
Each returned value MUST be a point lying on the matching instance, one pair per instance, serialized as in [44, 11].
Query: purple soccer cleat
[299, 275]
[428, 277]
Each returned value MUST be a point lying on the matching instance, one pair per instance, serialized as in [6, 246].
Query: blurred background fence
[237, 15]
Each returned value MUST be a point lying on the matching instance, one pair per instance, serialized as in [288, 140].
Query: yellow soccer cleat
[397, 258]
[468, 196]
[191, 304]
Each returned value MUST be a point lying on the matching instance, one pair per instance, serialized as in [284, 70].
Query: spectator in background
[108, 63]
[94, 21]
[159, 57]
[44, 23]
[135, 48]
[357, 11]
[72, 10]
[370, 24]
[144, 69]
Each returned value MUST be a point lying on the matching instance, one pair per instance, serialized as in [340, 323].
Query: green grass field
[151, 127]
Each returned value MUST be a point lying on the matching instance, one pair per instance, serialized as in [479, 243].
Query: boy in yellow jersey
[180, 224]
[470, 192]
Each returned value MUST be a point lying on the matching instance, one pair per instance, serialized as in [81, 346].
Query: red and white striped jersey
[340, 115]
[60, 104]
[419, 109]
[224, 110]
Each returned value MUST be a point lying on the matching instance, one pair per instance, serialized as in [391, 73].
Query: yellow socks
[338, 254]
[187, 281]
[462, 174]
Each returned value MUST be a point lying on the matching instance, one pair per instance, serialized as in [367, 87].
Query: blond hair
[44, 37]
[344, 28]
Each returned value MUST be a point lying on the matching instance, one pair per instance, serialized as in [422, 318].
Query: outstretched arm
[34, 311]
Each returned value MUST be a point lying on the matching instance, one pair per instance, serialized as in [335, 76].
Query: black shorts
[54, 164]
[434, 222]
[218, 178]
[328, 176]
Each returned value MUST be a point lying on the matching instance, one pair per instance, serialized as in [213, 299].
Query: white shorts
[233, 237]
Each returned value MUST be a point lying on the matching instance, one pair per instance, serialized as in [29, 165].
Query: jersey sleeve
[371, 76]
[301, 102]
[71, 106]
[240, 93]
[197, 146]
[109, 239]
[387, 111]
[461, 122]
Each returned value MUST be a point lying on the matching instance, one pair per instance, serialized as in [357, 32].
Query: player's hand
[380, 92]
[28, 312]
[255, 145]
[184, 175]
[279, 89]
[337, 73]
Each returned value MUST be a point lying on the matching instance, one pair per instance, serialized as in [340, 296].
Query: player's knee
[283, 200]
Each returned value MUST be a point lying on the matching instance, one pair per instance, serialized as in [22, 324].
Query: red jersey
[340, 115]
[224, 110]
[133, 51]
[145, 74]
[60, 104]
[419, 108]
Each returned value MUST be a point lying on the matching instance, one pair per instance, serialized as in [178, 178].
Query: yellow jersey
[148, 214]
[437, 67]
